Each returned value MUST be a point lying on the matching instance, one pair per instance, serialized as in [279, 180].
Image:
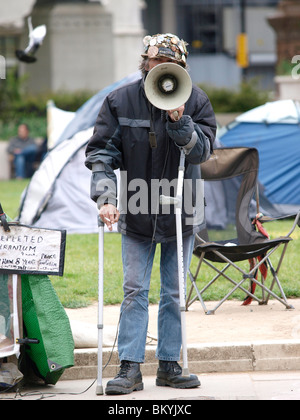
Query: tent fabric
[283, 112]
[278, 144]
[57, 121]
[86, 115]
[58, 195]
[81, 216]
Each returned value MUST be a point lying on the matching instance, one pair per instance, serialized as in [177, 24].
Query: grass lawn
[79, 285]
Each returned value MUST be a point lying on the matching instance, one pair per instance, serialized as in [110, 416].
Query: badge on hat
[165, 45]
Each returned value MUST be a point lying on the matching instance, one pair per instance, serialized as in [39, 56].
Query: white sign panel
[26, 250]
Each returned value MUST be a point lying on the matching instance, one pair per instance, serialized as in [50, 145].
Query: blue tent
[273, 129]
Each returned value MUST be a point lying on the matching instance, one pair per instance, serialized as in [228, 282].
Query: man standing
[23, 150]
[145, 143]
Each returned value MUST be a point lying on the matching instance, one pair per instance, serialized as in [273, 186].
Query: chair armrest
[265, 219]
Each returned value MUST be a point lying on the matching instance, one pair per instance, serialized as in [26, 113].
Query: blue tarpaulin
[279, 154]
[274, 130]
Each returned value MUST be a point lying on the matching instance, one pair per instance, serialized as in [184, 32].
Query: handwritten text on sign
[27, 250]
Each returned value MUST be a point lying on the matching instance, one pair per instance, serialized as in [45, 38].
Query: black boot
[170, 374]
[129, 379]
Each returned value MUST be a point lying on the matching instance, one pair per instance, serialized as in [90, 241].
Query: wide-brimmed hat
[166, 45]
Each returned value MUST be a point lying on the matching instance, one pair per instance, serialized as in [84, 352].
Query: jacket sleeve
[195, 132]
[104, 156]
[11, 146]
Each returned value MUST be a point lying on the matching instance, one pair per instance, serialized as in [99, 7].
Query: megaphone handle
[176, 115]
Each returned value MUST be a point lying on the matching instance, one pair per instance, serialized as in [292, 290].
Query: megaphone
[168, 86]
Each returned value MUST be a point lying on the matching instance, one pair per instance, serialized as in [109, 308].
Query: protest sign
[27, 250]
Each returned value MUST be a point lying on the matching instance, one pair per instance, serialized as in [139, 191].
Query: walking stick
[178, 212]
[99, 389]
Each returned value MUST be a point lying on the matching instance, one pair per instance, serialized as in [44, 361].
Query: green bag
[46, 320]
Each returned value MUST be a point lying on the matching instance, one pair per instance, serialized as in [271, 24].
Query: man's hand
[176, 114]
[110, 215]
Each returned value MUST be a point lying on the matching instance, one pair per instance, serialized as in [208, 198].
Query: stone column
[128, 33]
[169, 22]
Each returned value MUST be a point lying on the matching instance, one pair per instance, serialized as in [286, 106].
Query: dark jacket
[121, 141]
[17, 143]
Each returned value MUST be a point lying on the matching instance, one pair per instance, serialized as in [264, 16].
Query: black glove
[181, 131]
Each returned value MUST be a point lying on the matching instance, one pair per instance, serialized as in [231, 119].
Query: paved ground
[230, 386]
[231, 323]
[231, 326]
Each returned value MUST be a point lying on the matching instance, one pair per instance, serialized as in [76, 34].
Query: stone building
[211, 28]
[89, 43]
[286, 23]
[92, 43]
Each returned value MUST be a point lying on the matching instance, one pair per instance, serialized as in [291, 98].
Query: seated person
[23, 150]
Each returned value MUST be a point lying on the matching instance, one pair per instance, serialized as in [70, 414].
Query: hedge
[17, 106]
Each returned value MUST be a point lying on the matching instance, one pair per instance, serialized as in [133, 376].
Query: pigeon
[36, 37]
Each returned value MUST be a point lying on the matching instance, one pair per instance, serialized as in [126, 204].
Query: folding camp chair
[231, 236]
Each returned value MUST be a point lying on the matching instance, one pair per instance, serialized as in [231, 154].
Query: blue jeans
[24, 161]
[138, 258]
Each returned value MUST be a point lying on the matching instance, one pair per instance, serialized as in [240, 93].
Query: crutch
[177, 201]
[99, 389]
